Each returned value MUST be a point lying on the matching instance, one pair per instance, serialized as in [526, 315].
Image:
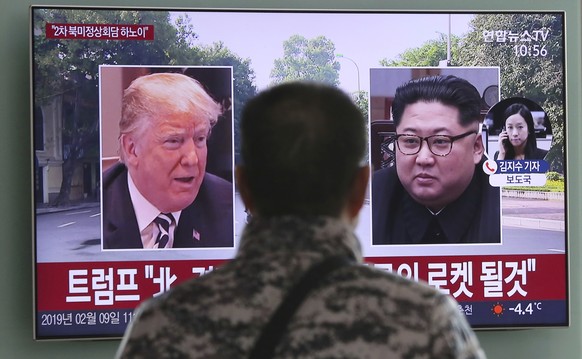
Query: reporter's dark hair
[448, 90]
[531, 143]
[302, 144]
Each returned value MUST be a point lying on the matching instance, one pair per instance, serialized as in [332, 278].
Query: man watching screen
[437, 192]
[304, 178]
[160, 195]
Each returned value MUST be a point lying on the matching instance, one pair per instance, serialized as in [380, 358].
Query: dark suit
[210, 214]
[397, 218]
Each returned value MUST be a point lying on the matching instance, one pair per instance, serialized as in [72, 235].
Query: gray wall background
[15, 180]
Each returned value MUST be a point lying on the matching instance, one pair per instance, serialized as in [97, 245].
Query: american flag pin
[195, 234]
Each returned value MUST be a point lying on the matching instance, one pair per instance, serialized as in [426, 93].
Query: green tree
[428, 54]
[536, 73]
[305, 59]
[361, 100]
[67, 71]
[244, 84]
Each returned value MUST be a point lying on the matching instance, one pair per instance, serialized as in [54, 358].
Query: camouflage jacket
[357, 312]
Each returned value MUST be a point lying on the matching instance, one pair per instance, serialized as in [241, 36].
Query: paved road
[62, 233]
[534, 214]
[74, 234]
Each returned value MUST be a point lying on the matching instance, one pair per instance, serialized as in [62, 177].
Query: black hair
[531, 143]
[448, 90]
[302, 144]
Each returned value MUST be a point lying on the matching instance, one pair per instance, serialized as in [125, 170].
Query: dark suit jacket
[210, 214]
[398, 219]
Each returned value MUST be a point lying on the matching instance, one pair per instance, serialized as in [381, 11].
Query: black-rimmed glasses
[439, 145]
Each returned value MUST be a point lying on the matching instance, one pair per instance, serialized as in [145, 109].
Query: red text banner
[122, 285]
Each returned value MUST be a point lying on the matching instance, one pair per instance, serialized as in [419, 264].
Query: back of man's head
[302, 145]
[448, 90]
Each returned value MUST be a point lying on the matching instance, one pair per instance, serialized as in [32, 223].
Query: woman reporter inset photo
[523, 130]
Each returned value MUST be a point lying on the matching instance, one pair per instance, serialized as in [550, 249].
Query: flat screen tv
[83, 59]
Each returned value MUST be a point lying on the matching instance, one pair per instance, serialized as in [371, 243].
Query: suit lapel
[120, 224]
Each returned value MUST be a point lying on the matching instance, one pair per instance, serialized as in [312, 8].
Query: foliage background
[537, 78]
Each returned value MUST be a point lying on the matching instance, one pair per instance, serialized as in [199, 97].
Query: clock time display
[536, 50]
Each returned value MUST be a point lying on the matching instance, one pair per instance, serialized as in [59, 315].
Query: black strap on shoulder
[271, 334]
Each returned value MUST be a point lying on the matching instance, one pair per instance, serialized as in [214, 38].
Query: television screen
[498, 246]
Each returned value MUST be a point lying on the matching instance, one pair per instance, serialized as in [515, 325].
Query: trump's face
[435, 181]
[167, 161]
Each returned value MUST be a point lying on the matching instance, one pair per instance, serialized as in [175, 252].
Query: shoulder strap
[273, 331]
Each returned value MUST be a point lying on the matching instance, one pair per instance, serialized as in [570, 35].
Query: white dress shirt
[145, 212]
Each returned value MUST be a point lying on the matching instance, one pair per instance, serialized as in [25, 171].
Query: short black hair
[448, 90]
[531, 144]
[302, 144]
